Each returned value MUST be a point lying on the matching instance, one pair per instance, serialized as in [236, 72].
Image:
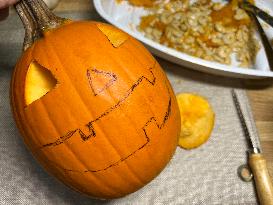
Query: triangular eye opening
[39, 81]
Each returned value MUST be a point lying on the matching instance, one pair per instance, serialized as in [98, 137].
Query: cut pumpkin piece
[197, 120]
[39, 81]
[115, 36]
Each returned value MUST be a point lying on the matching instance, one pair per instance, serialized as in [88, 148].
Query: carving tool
[256, 160]
[257, 11]
[253, 12]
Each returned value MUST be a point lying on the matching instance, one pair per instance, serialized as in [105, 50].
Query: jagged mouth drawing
[92, 131]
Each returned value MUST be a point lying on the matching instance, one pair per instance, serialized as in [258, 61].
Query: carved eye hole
[99, 80]
[115, 36]
[39, 81]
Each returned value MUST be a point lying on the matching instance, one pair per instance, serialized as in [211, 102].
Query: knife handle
[263, 181]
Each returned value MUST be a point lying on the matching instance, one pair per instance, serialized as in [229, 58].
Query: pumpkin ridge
[58, 134]
[19, 117]
[45, 112]
[49, 45]
[33, 132]
[166, 117]
[143, 96]
[142, 50]
[154, 64]
[123, 159]
[134, 175]
[150, 68]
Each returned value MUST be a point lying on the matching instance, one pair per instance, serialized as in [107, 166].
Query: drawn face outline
[89, 125]
[86, 136]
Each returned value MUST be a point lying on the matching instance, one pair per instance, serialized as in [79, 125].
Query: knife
[267, 47]
[257, 11]
[256, 160]
[254, 11]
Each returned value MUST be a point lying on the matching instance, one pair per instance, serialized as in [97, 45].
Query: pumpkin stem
[37, 19]
[31, 31]
[42, 14]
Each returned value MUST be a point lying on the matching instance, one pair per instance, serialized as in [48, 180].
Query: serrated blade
[247, 120]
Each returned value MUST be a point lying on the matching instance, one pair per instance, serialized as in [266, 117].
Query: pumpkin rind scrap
[197, 120]
[112, 122]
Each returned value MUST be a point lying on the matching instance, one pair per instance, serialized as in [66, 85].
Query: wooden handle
[262, 178]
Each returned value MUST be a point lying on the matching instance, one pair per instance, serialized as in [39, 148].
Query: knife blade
[254, 11]
[257, 11]
[267, 47]
[256, 160]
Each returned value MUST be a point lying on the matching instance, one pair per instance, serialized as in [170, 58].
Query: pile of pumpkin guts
[205, 29]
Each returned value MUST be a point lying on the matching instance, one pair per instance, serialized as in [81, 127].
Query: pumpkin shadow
[222, 81]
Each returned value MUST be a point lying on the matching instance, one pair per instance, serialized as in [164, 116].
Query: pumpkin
[92, 104]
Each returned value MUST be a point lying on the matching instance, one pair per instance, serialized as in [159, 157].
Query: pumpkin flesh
[197, 120]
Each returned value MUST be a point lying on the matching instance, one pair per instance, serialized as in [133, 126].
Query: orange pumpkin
[95, 108]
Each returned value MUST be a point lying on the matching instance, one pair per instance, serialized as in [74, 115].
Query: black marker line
[89, 125]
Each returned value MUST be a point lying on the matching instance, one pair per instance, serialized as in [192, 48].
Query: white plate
[127, 17]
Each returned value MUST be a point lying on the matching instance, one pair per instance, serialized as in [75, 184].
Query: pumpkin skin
[105, 140]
